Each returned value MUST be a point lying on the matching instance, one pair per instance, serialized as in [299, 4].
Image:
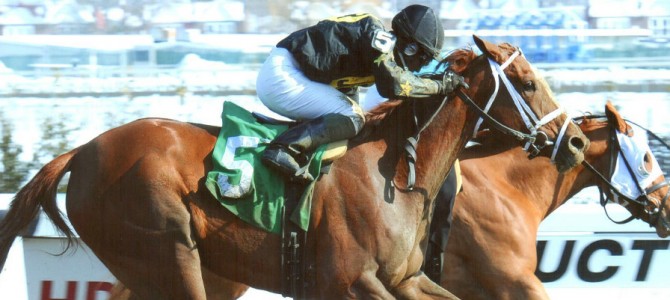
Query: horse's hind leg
[141, 231]
[162, 277]
[421, 287]
[216, 287]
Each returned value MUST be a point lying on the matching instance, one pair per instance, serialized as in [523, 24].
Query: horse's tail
[39, 192]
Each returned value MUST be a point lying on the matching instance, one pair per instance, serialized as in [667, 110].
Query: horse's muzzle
[571, 153]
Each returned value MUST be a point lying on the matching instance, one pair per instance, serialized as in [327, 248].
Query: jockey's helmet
[419, 24]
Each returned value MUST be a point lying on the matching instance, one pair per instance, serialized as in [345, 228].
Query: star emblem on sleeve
[380, 58]
[406, 89]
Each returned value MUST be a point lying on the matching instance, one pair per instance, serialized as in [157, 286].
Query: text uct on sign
[603, 260]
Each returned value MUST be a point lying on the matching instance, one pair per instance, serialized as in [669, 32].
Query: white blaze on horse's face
[644, 168]
[530, 119]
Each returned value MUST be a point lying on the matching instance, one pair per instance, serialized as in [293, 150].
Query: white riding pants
[284, 89]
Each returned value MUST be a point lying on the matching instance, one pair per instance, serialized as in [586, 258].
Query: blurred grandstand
[109, 39]
[555, 34]
[575, 31]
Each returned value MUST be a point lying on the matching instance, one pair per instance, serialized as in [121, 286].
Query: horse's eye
[529, 86]
[646, 166]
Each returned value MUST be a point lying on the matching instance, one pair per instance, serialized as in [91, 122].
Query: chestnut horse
[500, 262]
[136, 193]
[491, 252]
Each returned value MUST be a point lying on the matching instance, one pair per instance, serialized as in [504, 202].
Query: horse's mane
[589, 120]
[382, 110]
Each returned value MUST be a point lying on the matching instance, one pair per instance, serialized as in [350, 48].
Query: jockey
[313, 76]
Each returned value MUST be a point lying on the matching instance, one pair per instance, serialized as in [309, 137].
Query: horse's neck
[598, 155]
[436, 151]
[440, 145]
[542, 186]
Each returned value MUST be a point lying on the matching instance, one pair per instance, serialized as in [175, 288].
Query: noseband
[644, 201]
[536, 140]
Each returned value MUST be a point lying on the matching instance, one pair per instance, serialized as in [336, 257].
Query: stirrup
[280, 160]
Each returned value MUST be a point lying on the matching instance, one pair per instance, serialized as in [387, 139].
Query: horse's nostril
[577, 143]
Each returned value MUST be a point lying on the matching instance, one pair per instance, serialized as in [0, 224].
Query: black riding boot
[288, 152]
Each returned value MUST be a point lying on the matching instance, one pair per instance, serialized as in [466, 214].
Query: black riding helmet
[420, 24]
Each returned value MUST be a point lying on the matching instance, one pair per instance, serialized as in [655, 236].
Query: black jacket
[340, 52]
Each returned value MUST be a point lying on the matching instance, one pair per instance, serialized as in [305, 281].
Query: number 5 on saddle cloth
[244, 185]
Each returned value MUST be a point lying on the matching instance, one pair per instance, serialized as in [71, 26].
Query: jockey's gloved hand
[451, 81]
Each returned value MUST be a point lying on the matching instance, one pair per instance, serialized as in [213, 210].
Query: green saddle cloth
[245, 186]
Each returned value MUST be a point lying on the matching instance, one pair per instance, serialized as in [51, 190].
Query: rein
[533, 144]
[615, 150]
[412, 141]
[499, 126]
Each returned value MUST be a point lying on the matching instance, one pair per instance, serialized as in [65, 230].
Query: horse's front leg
[368, 286]
[420, 286]
[349, 282]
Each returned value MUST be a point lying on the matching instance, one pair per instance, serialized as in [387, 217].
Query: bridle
[644, 201]
[535, 141]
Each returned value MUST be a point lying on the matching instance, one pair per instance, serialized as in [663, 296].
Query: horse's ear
[615, 119]
[489, 49]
